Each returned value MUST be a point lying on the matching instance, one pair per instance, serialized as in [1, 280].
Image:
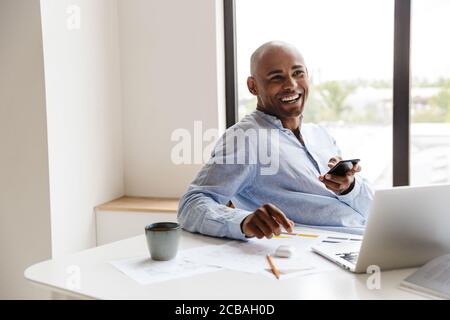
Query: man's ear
[251, 85]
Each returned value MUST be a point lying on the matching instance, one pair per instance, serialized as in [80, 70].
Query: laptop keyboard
[351, 257]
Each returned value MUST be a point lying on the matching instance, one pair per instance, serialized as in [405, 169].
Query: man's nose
[290, 83]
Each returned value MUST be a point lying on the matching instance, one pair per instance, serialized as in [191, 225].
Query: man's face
[280, 82]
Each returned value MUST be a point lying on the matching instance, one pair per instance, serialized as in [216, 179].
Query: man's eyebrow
[274, 72]
[299, 66]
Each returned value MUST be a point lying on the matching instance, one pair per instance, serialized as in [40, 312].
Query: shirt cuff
[355, 191]
[234, 225]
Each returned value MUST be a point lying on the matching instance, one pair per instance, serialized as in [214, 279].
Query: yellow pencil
[272, 267]
[301, 234]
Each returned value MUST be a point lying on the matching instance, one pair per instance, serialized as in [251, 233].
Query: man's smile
[291, 98]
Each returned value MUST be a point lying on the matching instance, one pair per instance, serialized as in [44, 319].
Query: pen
[301, 234]
[272, 267]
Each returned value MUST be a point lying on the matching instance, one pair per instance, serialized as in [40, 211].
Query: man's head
[279, 79]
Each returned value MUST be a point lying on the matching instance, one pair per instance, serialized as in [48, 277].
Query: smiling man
[298, 191]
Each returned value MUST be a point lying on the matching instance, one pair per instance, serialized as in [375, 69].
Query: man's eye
[299, 73]
[276, 78]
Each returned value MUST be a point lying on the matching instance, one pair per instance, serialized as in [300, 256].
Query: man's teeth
[290, 98]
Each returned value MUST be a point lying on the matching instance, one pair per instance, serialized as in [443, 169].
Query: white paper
[432, 279]
[235, 255]
[251, 256]
[145, 270]
[303, 264]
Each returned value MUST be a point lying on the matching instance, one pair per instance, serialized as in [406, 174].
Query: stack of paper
[239, 256]
[432, 279]
[251, 256]
[145, 270]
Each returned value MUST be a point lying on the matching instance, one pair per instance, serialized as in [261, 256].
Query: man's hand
[337, 184]
[266, 221]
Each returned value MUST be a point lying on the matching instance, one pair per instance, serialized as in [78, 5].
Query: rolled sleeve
[360, 198]
[234, 224]
[347, 198]
[199, 212]
[203, 208]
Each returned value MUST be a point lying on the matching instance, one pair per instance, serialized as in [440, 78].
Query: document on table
[145, 270]
[251, 256]
[236, 255]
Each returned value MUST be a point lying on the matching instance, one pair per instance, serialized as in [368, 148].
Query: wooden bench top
[140, 204]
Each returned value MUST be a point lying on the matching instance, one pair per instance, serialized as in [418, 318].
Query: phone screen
[342, 167]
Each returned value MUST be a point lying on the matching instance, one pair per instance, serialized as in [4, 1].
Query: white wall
[25, 236]
[84, 116]
[172, 75]
[88, 134]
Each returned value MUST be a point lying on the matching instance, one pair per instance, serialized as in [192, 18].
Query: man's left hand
[340, 184]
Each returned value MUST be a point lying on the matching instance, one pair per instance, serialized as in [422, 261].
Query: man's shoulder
[314, 127]
[250, 121]
[317, 131]
[250, 127]
[235, 138]
[246, 128]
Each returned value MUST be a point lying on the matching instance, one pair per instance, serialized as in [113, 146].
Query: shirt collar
[269, 118]
[275, 121]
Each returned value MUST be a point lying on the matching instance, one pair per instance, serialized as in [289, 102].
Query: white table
[98, 279]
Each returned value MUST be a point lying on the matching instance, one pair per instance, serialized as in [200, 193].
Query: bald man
[270, 191]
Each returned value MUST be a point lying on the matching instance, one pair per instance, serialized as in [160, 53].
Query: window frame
[401, 83]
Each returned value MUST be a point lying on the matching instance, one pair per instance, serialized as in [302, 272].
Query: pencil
[272, 267]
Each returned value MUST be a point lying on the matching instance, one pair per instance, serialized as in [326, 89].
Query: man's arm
[351, 189]
[360, 197]
[203, 208]
[359, 194]
[228, 172]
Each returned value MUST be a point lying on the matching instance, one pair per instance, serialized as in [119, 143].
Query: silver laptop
[407, 226]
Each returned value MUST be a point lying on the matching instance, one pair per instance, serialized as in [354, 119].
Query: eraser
[285, 251]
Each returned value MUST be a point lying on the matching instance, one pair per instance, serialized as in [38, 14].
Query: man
[266, 203]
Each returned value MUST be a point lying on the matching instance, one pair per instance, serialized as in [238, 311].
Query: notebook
[432, 279]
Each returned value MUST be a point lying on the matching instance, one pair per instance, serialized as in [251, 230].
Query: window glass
[348, 49]
[430, 92]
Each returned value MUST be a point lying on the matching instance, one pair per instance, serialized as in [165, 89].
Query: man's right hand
[266, 221]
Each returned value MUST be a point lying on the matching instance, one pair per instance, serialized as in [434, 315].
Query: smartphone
[342, 167]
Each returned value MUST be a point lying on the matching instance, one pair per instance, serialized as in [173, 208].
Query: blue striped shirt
[242, 173]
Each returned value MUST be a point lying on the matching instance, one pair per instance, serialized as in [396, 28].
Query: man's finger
[253, 228]
[334, 159]
[337, 179]
[335, 190]
[332, 185]
[262, 225]
[270, 221]
[279, 216]
[356, 168]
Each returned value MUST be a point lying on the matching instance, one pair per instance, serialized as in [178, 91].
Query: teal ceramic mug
[163, 239]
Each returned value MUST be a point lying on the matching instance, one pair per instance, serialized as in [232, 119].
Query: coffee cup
[163, 239]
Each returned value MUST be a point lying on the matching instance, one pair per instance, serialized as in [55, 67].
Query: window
[358, 95]
[347, 46]
[430, 92]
